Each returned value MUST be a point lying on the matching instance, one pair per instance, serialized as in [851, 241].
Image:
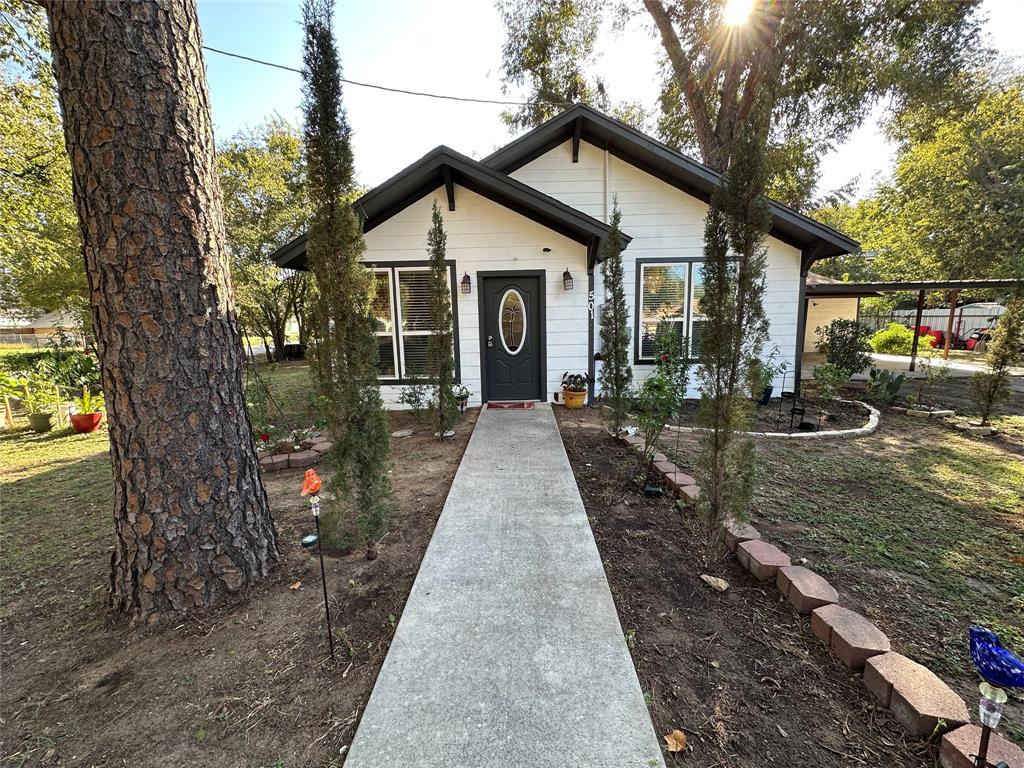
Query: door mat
[520, 406]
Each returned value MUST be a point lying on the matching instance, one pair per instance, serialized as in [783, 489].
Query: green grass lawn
[56, 488]
[919, 523]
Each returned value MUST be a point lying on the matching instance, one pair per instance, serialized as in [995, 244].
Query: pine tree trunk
[191, 516]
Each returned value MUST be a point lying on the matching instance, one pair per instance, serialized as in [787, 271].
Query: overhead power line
[403, 91]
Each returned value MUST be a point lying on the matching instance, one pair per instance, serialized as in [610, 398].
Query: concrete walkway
[509, 651]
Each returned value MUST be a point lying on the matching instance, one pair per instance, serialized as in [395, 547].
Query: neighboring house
[822, 310]
[525, 228]
[38, 331]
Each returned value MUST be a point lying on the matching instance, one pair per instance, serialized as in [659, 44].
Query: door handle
[490, 341]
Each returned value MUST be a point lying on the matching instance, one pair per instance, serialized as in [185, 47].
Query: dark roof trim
[836, 290]
[443, 167]
[659, 160]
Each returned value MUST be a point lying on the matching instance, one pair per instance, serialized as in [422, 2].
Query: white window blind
[670, 293]
[401, 309]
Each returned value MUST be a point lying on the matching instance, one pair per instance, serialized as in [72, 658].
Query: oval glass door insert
[512, 320]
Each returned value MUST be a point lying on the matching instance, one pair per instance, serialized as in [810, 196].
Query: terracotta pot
[574, 400]
[40, 422]
[86, 422]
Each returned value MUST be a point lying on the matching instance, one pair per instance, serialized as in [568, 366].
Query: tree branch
[683, 71]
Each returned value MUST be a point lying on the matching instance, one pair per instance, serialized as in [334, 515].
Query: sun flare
[736, 12]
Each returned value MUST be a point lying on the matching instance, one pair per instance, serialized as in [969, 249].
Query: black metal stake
[323, 583]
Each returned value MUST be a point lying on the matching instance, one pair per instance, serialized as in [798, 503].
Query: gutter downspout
[807, 258]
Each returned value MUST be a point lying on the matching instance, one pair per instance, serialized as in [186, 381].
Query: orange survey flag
[311, 483]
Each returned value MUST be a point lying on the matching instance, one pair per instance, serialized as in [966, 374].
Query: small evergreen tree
[616, 373]
[737, 221]
[440, 354]
[991, 387]
[345, 347]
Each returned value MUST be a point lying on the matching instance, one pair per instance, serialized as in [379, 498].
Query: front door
[512, 309]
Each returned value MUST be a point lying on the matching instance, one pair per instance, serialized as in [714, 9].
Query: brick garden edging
[305, 457]
[919, 700]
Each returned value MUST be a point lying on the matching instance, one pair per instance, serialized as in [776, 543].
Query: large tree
[346, 351]
[818, 65]
[954, 206]
[263, 177]
[191, 516]
[40, 250]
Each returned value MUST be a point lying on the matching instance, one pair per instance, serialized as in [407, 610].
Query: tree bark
[192, 522]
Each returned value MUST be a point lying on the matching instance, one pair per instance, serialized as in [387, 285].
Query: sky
[454, 48]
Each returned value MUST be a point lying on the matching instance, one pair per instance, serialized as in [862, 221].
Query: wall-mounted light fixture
[466, 286]
[567, 280]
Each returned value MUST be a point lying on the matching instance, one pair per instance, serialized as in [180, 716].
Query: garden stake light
[1001, 669]
[311, 487]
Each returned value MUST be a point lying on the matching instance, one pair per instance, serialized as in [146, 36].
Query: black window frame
[693, 263]
[393, 268]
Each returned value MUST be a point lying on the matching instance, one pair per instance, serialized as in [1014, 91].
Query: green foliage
[936, 371]
[896, 339]
[829, 380]
[575, 382]
[65, 367]
[616, 375]
[89, 402]
[829, 62]
[737, 328]
[39, 393]
[345, 355]
[989, 388]
[762, 373]
[263, 176]
[41, 266]
[548, 44]
[884, 386]
[440, 346]
[416, 395]
[845, 345]
[955, 205]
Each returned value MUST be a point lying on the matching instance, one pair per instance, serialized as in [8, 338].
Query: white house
[525, 228]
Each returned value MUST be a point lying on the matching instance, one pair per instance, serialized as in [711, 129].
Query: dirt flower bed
[247, 685]
[739, 672]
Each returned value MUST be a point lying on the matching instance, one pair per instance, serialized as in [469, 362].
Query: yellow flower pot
[574, 400]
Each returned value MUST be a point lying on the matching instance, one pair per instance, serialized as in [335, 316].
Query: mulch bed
[775, 416]
[247, 685]
[739, 672]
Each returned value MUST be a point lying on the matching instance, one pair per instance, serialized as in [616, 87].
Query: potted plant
[462, 395]
[39, 398]
[574, 389]
[87, 415]
[762, 373]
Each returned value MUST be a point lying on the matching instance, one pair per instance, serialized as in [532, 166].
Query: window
[401, 308]
[384, 320]
[669, 292]
[512, 321]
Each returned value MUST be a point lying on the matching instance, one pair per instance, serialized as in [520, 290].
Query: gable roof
[446, 167]
[581, 122]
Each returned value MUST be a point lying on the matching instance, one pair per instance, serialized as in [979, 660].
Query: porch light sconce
[567, 280]
[466, 286]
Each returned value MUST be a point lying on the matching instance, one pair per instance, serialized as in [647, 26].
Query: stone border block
[916, 696]
[805, 589]
[851, 637]
[959, 745]
[301, 459]
[736, 532]
[762, 559]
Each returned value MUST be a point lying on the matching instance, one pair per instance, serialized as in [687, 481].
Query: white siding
[664, 222]
[821, 312]
[484, 236]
